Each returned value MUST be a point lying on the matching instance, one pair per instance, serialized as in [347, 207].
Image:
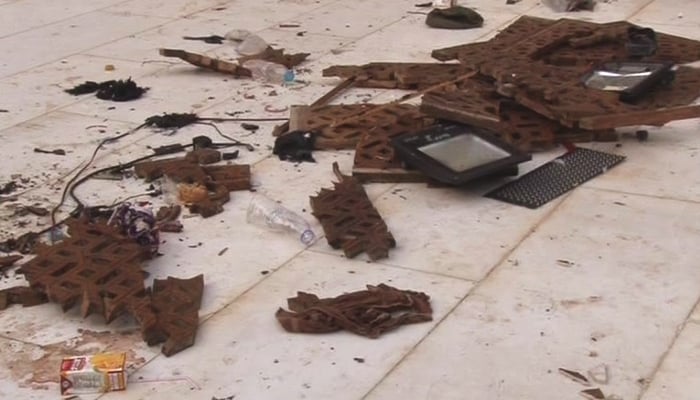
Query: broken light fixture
[456, 154]
[631, 79]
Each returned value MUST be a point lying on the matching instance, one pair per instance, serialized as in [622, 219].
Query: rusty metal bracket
[205, 62]
[349, 219]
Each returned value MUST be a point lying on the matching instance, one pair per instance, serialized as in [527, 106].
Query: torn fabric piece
[370, 312]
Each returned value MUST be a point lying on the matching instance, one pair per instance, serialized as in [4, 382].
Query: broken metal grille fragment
[555, 178]
[350, 221]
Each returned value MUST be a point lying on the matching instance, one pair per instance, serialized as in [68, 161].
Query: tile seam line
[644, 195]
[640, 9]
[224, 307]
[60, 20]
[478, 284]
[664, 356]
[164, 21]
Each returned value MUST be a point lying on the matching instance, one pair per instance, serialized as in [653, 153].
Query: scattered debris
[250, 127]
[218, 180]
[99, 373]
[424, 5]
[137, 223]
[456, 17]
[110, 67]
[565, 263]
[202, 61]
[600, 374]
[512, 1]
[114, 90]
[409, 76]
[212, 39]
[223, 251]
[289, 25]
[8, 188]
[176, 303]
[58, 152]
[25, 296]
[370, 312]
[575, 376]
[277, 56]
[349, 219]
[295, 146]
[359, 360]
[263, 211]
[98, 268]
[594, 394]
[570, 5]
[172, 120]
[9, 261]
[38, 211]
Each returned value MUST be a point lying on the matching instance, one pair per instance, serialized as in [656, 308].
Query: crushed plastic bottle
[237, 35]
[264, 211]
[251, 45]
[268, 71]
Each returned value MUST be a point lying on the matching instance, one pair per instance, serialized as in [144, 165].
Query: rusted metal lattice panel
[96, 268]
[543, 72]
[375, 159]
[349, 219]
[523, 28]
[476, 102]
[342, 126]
[23, 295]
[176, 303]
[370, 312]
[387, 75]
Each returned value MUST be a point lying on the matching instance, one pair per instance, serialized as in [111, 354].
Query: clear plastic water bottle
[264, 211]
[268, 71]
[252, 45]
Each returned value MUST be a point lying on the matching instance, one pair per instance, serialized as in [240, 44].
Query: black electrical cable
[235, 142]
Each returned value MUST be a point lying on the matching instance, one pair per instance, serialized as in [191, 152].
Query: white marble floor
[507, 314]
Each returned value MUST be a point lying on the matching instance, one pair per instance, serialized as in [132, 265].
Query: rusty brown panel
[349, 219]
[371, 312]
[342, 126]
[176, 304]
[522, 28]
[408, 76]
[26, 296]
[96, 268]
[219, 180]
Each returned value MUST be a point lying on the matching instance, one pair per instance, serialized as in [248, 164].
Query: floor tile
[451, 227]
[15, 18]
[350, 20]
[603, 12]
[164, 8]
[31, 372]
[679, 12]
[616, 290]
[427, 39]
[40, 90]
[678, 377]
[663, 166]
[265, 362]
[67, 37]
[267, 13]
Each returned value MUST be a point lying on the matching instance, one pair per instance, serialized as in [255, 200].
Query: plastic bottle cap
[307, 237]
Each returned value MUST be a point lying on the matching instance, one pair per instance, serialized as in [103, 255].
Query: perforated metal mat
[555, 178]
